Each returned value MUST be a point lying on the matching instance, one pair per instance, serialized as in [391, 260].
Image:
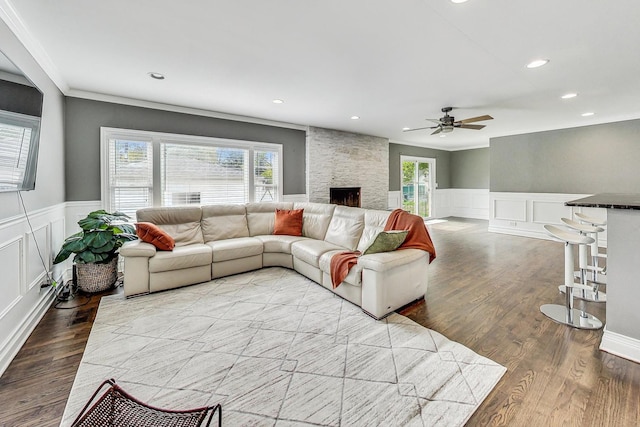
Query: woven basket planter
[97, 277]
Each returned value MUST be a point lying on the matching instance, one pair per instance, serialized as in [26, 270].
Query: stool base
[581, 320]
[591, 296]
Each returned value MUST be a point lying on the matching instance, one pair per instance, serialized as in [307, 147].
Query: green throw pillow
[386, 241]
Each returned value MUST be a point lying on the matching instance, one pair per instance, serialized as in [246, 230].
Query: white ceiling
[391, 62]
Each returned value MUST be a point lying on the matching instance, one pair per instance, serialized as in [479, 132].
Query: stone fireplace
[346, 196]
[337, 159]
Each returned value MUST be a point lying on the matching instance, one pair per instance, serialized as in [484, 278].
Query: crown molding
[15, 23]
[95, 96]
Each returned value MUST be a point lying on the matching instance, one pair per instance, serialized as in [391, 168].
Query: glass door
[418, 176]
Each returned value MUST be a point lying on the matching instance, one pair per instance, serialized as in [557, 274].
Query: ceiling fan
[447, 123]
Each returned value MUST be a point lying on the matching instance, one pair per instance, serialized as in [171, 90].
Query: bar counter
[622, 331]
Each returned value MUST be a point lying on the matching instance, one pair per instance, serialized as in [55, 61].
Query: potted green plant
[96, 249]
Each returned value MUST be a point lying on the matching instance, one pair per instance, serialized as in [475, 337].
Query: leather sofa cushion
[195, 255]
[261, 216]
[241, 247]
[374, 222]
[310, 250]
[355, 274]
[385, 261]
[346, 227]
[279, 243]
[182, 223]
[316, 218]
[220, 222]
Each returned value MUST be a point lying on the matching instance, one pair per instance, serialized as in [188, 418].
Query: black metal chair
[117, 408]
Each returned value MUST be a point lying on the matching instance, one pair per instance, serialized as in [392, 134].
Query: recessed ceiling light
[278, 101]
[590, 113]
[355, 117]
[537, 63]
[458, 1]
[157, 76]
[406, 128]
[569, 95]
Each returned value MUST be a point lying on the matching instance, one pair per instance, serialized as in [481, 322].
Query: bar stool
[595, 251]
[567, 315]
[594, 294]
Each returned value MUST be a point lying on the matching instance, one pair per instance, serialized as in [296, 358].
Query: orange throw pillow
[288, 222]
[151, 233]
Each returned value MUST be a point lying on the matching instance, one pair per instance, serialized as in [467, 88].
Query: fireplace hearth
[346, 196]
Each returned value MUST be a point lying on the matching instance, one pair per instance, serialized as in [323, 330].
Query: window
[18, 139]
[143, 169]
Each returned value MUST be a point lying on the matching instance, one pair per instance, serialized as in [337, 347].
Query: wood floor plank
[485, 291]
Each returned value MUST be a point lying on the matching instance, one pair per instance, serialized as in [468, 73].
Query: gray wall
[85, 117]
[470, 168]
[50, 173]
[442, 163]
[589, 159]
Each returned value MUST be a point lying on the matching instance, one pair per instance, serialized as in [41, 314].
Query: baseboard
[620, 345]
[20, 336]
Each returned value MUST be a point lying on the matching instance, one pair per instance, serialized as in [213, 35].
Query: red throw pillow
[151, 233]
[288, 222]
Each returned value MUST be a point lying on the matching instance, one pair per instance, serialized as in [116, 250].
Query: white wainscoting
[525, 214]
[460, 202]
[23, 302]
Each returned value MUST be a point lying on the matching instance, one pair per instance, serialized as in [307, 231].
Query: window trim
[156, 138]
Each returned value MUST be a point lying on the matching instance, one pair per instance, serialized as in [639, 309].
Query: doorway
[417, 175]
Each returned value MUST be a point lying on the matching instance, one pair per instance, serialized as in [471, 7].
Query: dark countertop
[609, 201]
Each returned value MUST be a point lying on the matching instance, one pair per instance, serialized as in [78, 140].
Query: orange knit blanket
[417, 238]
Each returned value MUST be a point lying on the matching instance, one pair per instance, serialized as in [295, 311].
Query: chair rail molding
[525, 214]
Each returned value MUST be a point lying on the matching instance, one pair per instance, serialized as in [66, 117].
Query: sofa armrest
[384, 261]
[137, 248]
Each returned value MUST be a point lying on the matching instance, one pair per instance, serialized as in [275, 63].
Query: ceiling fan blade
[436, 121]
[437, 130]
[475, 127]
[428, 127]
[476, 119]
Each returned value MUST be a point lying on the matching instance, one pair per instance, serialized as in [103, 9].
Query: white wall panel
[509, 210]
[544, 212]
[525, 214]
[23, 302]
[12, 284]
[38, 245]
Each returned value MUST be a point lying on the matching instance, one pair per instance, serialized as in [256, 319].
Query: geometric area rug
[276, 349]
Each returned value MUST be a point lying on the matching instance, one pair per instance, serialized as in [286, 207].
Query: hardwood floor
[485, 290]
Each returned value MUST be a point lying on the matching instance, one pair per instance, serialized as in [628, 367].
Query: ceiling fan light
[537, 63]
[447, 129]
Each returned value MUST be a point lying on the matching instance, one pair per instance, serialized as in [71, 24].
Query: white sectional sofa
[220, 240]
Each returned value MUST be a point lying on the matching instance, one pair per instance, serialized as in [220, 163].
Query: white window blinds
[130, 175]
[157, 169]
[17, 133]
[197, 174]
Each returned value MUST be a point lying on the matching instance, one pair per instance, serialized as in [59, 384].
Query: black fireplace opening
[346, 196]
